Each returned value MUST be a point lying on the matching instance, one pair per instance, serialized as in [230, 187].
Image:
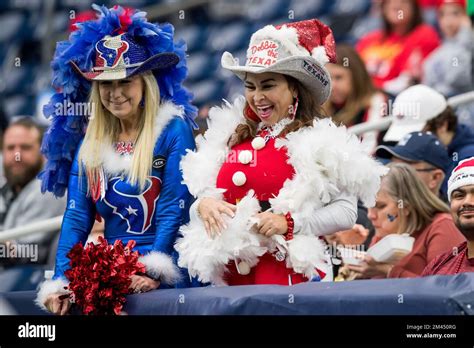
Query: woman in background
[354, 99]
[394, 55]
[406, 205]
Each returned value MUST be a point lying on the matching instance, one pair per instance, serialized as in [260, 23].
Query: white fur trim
[319, 53]
[287, 36]
[49, 287]
[116, 164]
[161, 267]
[305, 253]
[207, 258]
[336, 162]
[327, 160]
[200, 168]
[461, 177]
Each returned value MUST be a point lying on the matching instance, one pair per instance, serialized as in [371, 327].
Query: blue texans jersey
[151, 216]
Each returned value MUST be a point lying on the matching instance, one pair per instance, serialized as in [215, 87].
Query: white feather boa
[327, 160]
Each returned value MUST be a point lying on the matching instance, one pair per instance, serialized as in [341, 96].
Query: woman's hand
[270, 224]
[355, 236]
[369, 268]
[211, 210]
[58, 303]
[142, 283]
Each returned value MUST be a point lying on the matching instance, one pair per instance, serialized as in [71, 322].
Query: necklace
[274, 130]
[460, 261]
[124, 147]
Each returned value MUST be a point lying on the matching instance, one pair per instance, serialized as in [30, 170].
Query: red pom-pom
[99, 277]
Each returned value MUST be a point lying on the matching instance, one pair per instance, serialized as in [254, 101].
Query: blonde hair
[104, 128]
[404, 186]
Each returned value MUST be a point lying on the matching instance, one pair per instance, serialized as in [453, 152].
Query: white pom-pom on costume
[208, 258]
[49, 287]
[161, 267]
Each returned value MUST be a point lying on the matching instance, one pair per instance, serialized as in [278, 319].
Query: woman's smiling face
[122, 97]
[269, 96]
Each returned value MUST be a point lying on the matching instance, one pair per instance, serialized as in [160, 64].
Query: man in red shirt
[461, 197]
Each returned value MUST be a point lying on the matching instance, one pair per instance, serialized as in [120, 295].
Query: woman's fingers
[214, 228]
[220, 222]
[207, 226]
[65, 306]
[232, 207]
[226, 210]
[56, 306]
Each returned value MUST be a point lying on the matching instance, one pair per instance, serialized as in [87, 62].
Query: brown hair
[404, 186]
[28, 122]
[416, 19]
[447, 115]
[362, 86]
[308, 109]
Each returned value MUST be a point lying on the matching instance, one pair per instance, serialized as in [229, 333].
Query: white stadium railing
[44, 226]
[384, 123]
[54, 224]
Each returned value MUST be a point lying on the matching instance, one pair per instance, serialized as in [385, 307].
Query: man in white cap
[421, 108]
[461, 197]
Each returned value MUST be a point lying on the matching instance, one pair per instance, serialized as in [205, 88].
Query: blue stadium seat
[308, 9]
[206, 91]
[228, 37]
[266, 10]
[193, 35]
[199, 65]
[353, 7]
[11, 24]
[16, 105]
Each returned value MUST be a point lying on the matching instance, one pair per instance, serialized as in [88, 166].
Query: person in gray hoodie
[448, 68]
[21, 200]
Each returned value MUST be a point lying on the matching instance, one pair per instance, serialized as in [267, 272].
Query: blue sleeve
[78, 219]
[175, 199]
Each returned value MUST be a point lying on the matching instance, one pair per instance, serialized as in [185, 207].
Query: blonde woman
[406, 205]
[126, 168]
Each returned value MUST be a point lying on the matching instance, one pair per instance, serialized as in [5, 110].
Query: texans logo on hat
[118, 57]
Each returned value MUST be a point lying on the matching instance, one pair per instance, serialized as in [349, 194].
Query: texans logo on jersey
[135, 207]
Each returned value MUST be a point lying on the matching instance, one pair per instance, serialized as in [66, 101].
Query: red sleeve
[428, 40]
[367, 41]
[442, 238]
[431, 266]
[400, 272]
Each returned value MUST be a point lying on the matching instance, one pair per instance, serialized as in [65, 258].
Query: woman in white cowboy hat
[126, 164]
[272, 174]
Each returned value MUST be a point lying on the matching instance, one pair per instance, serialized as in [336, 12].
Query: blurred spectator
[461, 196]
[21, 200]
[425, 153]
[3, 126]
[405, 205]
[420, 108]
[446, 68]
[394, 55]
[354, 99]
